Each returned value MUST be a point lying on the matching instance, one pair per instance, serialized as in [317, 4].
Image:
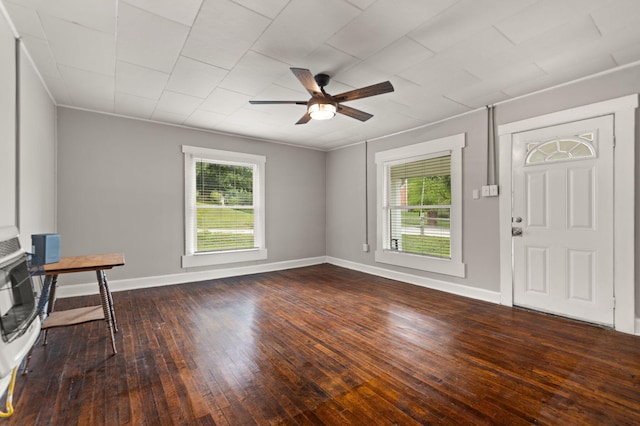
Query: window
[578, 147]
[419, 206]
[224, 207]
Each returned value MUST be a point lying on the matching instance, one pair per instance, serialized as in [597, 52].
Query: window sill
[423, 263]
[224, 257]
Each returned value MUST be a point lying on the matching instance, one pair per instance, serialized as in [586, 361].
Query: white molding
[624, 111]
[448, 287]
[85, 289]
[637, 330]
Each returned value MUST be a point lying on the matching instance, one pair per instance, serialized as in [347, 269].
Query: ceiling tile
[26, 20]
[361, 4]
[538, 18]
[574, 34]
[139, 81]
[224, 101]
[253, 74]
[328, 60]
[292, 37]
[183, 11]
[134, 106]
[261, 124]
[610, 19]
[481, 48]
[356, 77]
[168, 117]
[195, 78]
[437, 74]
[204, 119]
[382, 23]
[557, 65]
[276, 92]
[464, 19]
[89, 89]
[80, 47]
[268, 8]
[99, 15]
[534, 85]
[398, 56]
[222, 33]
[149, 40]
[178, 103]
[480, 95]
[628, 54]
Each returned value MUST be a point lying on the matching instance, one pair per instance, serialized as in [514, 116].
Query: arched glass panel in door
[574, 148]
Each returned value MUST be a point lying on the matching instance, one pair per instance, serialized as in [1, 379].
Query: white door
[563, 206]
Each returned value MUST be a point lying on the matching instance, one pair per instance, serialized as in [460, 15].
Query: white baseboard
[637, 331]
[458, 289]
[86, 289]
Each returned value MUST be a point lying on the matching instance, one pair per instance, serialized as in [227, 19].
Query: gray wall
[345, 182]
[37, 156]
[27, 182]
[121, 188]
[7, 125]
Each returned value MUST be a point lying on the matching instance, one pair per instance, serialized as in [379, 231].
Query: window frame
[452, 145]
[191, 258]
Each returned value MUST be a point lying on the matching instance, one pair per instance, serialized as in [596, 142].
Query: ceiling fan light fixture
[320, 111]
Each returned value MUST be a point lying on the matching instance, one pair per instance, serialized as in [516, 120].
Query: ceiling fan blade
[364, 92]
[305, 119]
[354, 113]
[277, 102]
[306, 78]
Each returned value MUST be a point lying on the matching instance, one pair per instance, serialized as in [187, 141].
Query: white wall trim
[623, 109]
[457, 289]
[85, 289]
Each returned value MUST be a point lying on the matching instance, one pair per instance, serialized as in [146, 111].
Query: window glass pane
[224, 206]
[567, 145]
[559, 150]
[420, 207]
[421, 231]
[581, 151]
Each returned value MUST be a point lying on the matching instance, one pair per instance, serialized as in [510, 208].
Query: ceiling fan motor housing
[322, 79]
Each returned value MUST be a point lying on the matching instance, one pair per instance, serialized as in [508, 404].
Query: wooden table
[69, 264]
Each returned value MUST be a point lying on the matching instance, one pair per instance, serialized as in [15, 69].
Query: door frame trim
[623, 110]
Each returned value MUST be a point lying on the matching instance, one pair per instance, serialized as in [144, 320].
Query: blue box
[45, 249]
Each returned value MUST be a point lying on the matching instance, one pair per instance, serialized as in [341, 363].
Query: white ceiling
[198, 63]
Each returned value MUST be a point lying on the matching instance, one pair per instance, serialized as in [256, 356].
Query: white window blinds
[224, 206]
[419, 207]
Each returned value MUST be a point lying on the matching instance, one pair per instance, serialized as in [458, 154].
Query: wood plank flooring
[326, 345]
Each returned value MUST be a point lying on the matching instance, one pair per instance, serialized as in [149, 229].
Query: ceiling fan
[323, 106]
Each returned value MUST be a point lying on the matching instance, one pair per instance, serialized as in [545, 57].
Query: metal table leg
[104, 298]
[52, 302]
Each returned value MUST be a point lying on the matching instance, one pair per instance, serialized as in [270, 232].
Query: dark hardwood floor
[326, 345]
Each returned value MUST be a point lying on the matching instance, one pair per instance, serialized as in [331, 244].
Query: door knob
[516, 232]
